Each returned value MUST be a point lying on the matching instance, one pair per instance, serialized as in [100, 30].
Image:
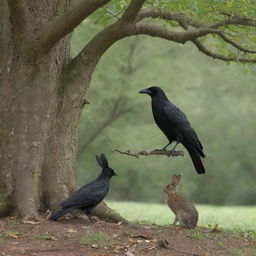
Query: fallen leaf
[94, 245]
[128, 253]
[133, 241]
[146, 236]
[12, 234]
[118, 247]
[32, 222]
[72, 230]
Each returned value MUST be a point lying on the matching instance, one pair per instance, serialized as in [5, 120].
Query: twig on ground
[184, 252]
[154, 152]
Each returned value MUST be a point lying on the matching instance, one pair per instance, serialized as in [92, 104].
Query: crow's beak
[115, 174]
[145, 91]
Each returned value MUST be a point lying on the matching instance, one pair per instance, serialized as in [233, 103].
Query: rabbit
[185, 212]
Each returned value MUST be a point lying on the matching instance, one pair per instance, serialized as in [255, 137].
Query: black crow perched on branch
[89, 195]
[175, 125]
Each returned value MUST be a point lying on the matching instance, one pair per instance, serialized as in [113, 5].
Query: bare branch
[16, 8]
[154, 152]
[132, 10]
[65, 23]
[114, 115]
[162, 32]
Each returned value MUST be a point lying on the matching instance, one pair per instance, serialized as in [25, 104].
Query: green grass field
[228, 217]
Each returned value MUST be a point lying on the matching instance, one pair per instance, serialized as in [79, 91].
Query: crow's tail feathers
[195, 156]
[56, 215]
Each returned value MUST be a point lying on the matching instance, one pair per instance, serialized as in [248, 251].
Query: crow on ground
[89, 195]
[175, 125]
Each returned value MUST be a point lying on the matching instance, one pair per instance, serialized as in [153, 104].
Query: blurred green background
[218, 99]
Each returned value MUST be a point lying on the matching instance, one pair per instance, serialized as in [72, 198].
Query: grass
[235, 218]
[46, 237]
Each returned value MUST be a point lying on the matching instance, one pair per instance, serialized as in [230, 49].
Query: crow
[89, 195]
[175, 125]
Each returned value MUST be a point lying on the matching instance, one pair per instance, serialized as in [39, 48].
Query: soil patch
[78, 237]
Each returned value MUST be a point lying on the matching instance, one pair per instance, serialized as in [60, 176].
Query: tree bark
[39, 115]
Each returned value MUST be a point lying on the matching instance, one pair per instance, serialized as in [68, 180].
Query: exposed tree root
[105, 213]
[32, 216]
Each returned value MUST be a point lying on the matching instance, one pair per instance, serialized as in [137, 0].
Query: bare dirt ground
[78, 237]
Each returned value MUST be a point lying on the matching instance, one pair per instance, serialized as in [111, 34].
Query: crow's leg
[177, 143]
[164, 148]
[175, 221]
[91, 219]
[88, 214]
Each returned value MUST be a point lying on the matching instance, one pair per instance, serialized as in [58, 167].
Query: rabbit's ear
[98, 158]
[177, 179]
[104, 160]
[173, 178]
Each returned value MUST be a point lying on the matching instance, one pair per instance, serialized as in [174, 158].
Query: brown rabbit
[185, 212]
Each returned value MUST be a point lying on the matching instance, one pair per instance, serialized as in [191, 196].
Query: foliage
[206, 12]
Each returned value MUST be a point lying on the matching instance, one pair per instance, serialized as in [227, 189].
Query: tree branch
[162, 32]
[132, 10]
[93, 51]
[172, 16]
[209, 53]
[235, 20]
[65, 23]
[188, 21]
[154, 152]
[185, 21]
[234, 44]
[114, 115]
[214, 55]
[16, 8]
[89, 56]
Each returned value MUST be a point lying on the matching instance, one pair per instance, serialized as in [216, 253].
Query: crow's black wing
[89, 195]
[179, 120]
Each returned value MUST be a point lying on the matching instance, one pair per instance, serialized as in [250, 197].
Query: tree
[42, 88]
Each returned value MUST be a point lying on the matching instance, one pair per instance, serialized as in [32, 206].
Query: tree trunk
[39, 117]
